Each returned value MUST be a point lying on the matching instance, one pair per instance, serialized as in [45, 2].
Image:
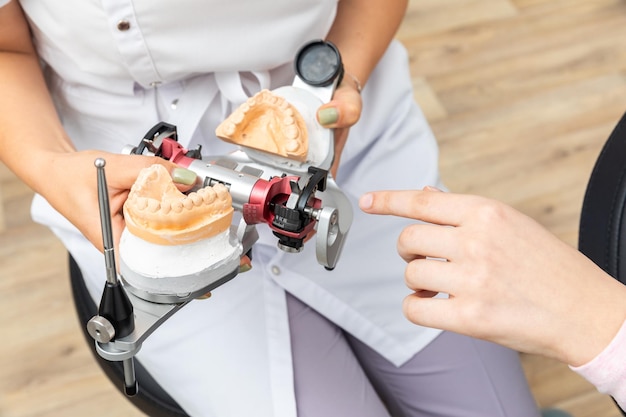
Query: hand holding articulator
[279, 176]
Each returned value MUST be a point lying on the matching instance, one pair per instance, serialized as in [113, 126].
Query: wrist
[42, 168]
[596, 324]
[351, 77]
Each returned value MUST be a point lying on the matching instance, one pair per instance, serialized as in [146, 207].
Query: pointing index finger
[429, 206]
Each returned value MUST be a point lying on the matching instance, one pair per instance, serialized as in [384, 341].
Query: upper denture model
[269, 123]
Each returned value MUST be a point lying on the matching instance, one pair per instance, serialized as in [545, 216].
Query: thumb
[344, 110]
[184, 178]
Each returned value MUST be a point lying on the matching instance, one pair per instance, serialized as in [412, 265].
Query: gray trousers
[454, 376]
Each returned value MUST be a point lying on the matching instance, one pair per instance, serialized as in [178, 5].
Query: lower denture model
[170, 234]
[156, 211]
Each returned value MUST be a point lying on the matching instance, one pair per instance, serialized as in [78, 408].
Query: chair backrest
[151, 398]
[602, 231]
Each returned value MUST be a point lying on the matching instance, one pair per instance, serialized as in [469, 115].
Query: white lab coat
[187, 63]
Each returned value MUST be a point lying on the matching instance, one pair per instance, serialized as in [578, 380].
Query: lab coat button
[123, 25]
[275, 270]
[174, 104]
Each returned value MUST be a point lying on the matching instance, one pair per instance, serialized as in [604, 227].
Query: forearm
[31, 130]
[363, 30]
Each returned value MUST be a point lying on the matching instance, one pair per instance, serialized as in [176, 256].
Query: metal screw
[100, 329]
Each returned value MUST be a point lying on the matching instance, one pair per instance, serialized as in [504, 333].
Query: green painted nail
[328, 116]
[184, 176]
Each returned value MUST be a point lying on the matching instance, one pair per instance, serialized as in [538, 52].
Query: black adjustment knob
[287, 219]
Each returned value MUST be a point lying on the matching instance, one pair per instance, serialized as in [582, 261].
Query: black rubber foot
[132, 390]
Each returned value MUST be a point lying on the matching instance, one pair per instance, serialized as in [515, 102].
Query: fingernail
[365, 202]
[328, 116]
[184, 176]
[431, 188]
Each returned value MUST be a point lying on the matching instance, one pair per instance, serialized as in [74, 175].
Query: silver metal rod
[130, 381]
[105, 221]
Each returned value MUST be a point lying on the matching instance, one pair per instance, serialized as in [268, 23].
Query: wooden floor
[521, 95]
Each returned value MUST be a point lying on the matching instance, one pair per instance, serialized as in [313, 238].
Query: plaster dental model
[170, 234]
[156, 211]
[269, 123]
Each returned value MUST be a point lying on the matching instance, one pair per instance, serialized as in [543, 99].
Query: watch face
[318, 63]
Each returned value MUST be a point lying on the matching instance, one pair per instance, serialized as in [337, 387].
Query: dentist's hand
[73, 191]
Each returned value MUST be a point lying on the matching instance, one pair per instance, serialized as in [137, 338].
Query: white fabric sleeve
[4, 2]
[607, 371]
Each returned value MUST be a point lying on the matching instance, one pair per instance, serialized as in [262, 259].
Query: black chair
[602, 232]
[151, 398]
